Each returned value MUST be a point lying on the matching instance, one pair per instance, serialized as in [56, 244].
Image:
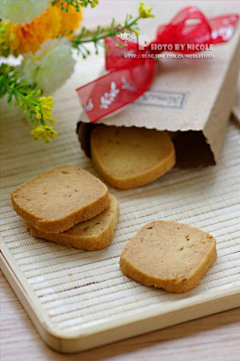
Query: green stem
[133, 22]
[21, 95]
[79, 42]
[24, 97]
[16, 93]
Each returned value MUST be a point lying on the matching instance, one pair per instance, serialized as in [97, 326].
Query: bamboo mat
[78, 300]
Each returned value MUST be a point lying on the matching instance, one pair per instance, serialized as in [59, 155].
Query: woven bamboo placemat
[79, 300]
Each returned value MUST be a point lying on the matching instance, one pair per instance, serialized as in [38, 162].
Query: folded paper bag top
[191, 95]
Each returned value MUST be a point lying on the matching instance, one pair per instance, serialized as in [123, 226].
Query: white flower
[22, 11]
[50, 66]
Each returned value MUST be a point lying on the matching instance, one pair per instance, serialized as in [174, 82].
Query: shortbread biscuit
[169, 255]
[91, 235]
[131, 157]
[60, 198]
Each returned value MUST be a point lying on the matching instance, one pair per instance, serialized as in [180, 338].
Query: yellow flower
[47, 105]
[43, 132]
[44, 111]
[54, 22]
[38, 112]
[6, 37]
[94, 3]
[144, 11]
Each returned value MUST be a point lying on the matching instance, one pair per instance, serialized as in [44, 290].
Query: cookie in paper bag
[131, 157]
[169, 255]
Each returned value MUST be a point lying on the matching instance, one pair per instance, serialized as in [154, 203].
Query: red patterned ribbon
[130, 72]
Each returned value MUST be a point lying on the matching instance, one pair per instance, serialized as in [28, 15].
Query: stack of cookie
[69, 206]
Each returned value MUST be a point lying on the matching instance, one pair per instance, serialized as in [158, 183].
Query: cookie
[168, 255]
[131, 157]
[60, 198]
[91, 235]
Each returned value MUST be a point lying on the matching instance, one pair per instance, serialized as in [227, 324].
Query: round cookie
[131, 157]
[168, 255]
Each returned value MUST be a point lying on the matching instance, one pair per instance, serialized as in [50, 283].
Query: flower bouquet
[42, 35]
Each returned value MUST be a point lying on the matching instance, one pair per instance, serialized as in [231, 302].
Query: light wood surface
[210, 338]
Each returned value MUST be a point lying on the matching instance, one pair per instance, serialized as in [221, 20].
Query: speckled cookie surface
[168, 255]
[91, 235]
[131, 157]
[58, 199]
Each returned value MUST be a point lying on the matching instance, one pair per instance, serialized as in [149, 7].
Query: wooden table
[213, 338]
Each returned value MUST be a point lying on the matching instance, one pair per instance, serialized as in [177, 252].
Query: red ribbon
[130, 72]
